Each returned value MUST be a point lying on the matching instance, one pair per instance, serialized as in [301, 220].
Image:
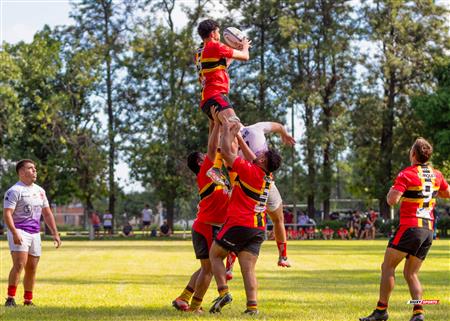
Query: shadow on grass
[53, 313]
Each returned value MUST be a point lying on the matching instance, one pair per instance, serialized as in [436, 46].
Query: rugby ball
[233, 37]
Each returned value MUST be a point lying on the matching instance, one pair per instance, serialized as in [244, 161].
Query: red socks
[282, 248]
[12, 291]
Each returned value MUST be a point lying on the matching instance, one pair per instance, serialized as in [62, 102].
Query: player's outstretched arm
[243, 54]
[246, 151]
[213, 140]
[393, 197]
[50, 221]
[285, 137]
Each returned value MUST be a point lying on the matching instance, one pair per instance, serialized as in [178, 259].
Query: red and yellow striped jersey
[211, 63]
[213, 204]
[419, 185]
[249, 196]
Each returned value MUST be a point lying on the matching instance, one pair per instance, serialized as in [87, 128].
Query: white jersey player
[254, 136]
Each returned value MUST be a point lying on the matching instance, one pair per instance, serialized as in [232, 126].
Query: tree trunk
[311, 177]
[170, 209]
[326, 164]
[386, 145]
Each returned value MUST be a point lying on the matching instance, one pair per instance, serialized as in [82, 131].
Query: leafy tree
[319, 67]
[409, 36]
[169, 124]
[101, 26]
[434, 110]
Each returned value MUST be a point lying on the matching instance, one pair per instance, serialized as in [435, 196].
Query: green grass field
[137, 280]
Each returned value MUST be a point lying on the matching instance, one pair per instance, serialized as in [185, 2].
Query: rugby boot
[220, 302]
[251, 312]
[418, 317]
[180, 304]
[10, 302]
[376, 316]
[217, 176]
[28, 303]
[283, 261]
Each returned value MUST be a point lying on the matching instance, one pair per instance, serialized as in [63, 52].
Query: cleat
[251, 312]
[180, 305]
[28, 303]
[10, 302]
[229, 275]
[418, 317]
[376, 316]
[284, 262]
[217, 176]
[220, 302]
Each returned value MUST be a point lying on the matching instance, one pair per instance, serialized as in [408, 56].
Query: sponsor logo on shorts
[423, 302]
[228, 242]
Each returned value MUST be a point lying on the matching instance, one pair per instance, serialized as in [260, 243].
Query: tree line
[364, 79]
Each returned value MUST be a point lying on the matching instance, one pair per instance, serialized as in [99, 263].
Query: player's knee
[18, 266]
[408, 275]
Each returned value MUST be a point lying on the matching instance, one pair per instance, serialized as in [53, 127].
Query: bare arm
[213, 141]
[285, 137]
[50, 221]
[246, 151]
[445, 193]
[393, 197]
[7, 216]
[228, 134]
[243, 54]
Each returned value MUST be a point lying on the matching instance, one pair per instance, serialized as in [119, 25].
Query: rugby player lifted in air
[211, 214]
[243, 231]
[254, 137]
[417, 187]
[212, 60]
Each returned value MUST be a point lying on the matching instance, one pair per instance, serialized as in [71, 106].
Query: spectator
[127, 230]
[147, 215]
[292, 234]
[1, 228]
[95, 221]
[356, 224]
[288, 217]
[367, 230]
[302, 233]
[164, 229]
[327, 233]
[373, 218]
[343, 233]
[107, 223]
[334, 216]
[302, 219]
[311, 232]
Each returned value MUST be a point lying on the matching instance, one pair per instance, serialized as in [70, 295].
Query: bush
[333, 224]
[443, 224]
[70, 228]
[386, 227]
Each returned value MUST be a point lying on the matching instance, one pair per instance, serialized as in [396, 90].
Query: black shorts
[415, 241]
[146, 223]
[241, 238]
[202, 237]
[220, 102]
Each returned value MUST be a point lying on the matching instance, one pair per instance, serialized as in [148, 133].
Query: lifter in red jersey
[243, 231]
[212, 60]
[210, 217]
[417, 187]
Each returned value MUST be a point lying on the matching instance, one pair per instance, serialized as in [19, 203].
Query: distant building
[72, 214]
